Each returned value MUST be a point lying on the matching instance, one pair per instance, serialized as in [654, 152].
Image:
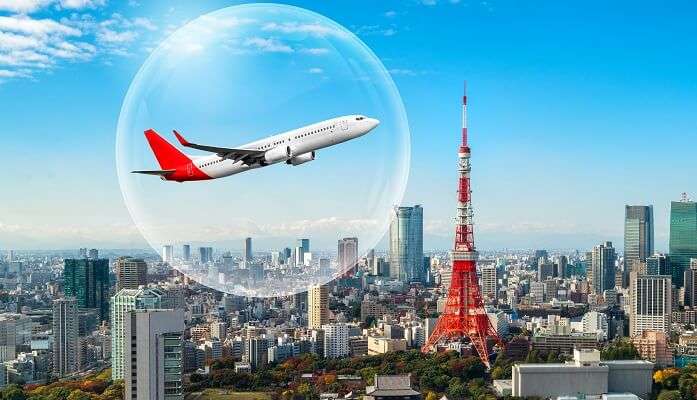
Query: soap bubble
[241, 74]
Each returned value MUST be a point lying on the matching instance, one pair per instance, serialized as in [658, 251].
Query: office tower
[287, 253]
[15, 330]
[563, 267]
[347, 254]
[304, 244]
[65, 337]
[167, 253]
[186, 252]
[545, 269]
[154, 367]
[131, 273]
[248, 253]
[219, 330]
[638, 234]
[651, 300]
[603, 260]
[256, 352]
[317, 306]
[537, 292]
[336, 340]
[683, 237]
[299, 257]
[82, 252]
[489, 283]
[658, 264]
[125, 301]
[93, 254]
[690, 282]
[407, 244]
[205, 254]
[535, 260]
[87, 280]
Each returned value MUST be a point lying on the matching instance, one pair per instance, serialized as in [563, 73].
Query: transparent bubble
[246, 73]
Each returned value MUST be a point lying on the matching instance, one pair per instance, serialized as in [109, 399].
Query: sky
[576, 109]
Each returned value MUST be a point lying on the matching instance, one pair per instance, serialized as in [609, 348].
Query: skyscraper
[683, 237]
[65, 337]
[336, 340]
[125, 301]
[603, 267]
[167, 253]
[317, 306]
[691, 284]
[489, 283]
[154, 367]
[658, 264]
[651, 299]
[638, 235]
[186, 252]
[130, 273]
[347, 254]
[205, 254]
[248, 253]
[406, 244]
[87, 280]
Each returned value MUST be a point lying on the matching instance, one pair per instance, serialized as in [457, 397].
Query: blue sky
[576, 109]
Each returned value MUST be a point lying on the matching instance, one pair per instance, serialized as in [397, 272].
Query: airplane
[294, 147]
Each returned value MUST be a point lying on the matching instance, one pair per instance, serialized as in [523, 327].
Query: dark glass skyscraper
[683, 237]
[88, 281]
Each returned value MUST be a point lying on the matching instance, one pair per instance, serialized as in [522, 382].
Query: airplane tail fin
[168, 156]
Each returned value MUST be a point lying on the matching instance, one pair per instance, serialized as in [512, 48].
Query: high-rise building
[65, 337]
[562, 267]
[256, 351]
[683, 237]
[125, 301]
[154, 367]
[347, 254]
[317, 306]
[336, 340]
[248, 252]
[87, 280]
[186, 252]
[15, 330]
[603, 267]
[205, 254]
[690, 282]
[658, 264]
[638, 235]
[131, 273]
[651, 303]
[93, 254]
[167, 253]
[489, 282]
[407, 244]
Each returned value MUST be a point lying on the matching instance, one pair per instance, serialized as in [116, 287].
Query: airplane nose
[372, 123]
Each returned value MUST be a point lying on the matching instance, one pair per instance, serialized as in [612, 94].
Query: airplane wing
[232, 154]
[163, 172]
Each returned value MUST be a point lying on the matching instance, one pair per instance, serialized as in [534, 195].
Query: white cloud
[315, 70]
[370, 30]
[402, 71]
[268, 45]
[38, 27]
[315, 51]
[390, 13]
[315, 29]
[23, 6]
[79, 4]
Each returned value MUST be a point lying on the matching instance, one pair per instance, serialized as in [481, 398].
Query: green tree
[669, 395]
[13, 392]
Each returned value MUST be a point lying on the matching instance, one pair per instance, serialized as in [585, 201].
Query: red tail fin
[168, 156]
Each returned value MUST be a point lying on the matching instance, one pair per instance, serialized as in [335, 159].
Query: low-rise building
[391, 387]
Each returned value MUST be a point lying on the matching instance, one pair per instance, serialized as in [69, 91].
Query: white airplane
[293, 147]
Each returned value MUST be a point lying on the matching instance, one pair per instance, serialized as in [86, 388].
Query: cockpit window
[359, 118]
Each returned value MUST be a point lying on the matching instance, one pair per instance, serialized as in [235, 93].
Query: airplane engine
[301, 159]
[279, 153]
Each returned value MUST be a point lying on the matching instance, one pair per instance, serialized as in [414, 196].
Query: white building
[336, 340]
[651, 299]
[595, 322]
[489, 282]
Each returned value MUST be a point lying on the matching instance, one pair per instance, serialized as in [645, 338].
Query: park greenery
[94, 387]
[307, 376]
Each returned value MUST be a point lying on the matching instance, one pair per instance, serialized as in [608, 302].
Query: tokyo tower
[464, 315]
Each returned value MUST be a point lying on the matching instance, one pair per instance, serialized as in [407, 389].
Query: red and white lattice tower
[464, 316]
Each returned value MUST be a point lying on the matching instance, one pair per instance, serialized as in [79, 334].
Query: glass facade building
[638, 234]
[87, 280]
[406, 245]
[683, 238]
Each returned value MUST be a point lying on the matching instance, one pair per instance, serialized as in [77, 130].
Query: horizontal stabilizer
[163, 172]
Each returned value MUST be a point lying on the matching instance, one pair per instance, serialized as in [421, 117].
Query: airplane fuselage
[294, 147]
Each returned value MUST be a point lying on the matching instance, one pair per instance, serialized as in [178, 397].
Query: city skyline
[548, 98]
